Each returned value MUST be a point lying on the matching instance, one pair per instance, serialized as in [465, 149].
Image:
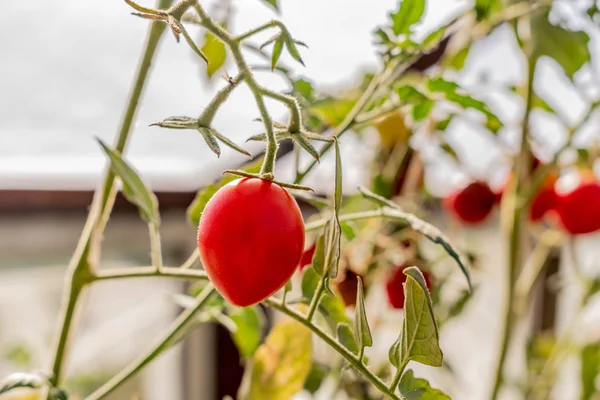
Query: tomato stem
[86, 253]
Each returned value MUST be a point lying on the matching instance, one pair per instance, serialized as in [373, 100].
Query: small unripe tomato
[579, 209]
[250, 239]
[395, 288]
[471, 204]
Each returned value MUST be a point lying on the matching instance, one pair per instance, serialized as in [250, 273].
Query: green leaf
[306, 145]
[422, 110]
[590, 371]
[568, 48]
[348, 230]
[441, 85]
[332, 257]
[420, 339]
[411, 95]
[19, 355]
[281, 365]
[434, 38]
[315, 378]
[249, 322]
[362, 331]
[332, 110]
[310, 280]
[134, 188]
[304, 88]
[277, 48]
[319, 258]
[195, 209]
[225, 140]
[347, 338]
[210, 140]
[412, 388]
[459, 59]
[337, 198]
[293, 50]
[408, 14]
[215, 52]
[460, 303]
[485, 8]
[333, 309]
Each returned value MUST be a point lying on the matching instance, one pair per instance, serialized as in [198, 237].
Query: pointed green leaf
[229, 143]
[306, 145]
[434, 38]
[568, 48]
[408, 14]
[394, 352]
[317, 375]
[203, 196]
[134, 188]
[485, 8]
[189, 40]
[293, 50]
[347, 338]
[332, 257]
[215, 52]
[334, 311]
[281, 365]
[362, 331]
[412, 388]
[210, 140]
[260, 137]
[249, 322]
[337, 198]
[178, 123]
[310, 280]
[319, 258]
[420, 339]
[459, 59]
[277, 48]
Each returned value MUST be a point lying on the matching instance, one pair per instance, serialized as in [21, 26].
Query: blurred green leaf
[249, 322]
[446, 148]
[310, 281]
[362, 332]
[348, 230]
[215, 52]
[422, 110]
[332, 308]
[568, 48]
[134, 188]
[304, 88]
[411, 95]
[419, 340]
[459, 59]
[485, 8]
[412, 388]
[195, 209]
[460, 303]
[590, 371]
[318, 262]
[315, 378]
[19, 355]
[332, 110]
[408, 14]
[277, 48]
[281, 365]
[347, 338]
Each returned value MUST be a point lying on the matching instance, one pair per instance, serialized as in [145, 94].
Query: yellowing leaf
[215, 52]
[280, 365]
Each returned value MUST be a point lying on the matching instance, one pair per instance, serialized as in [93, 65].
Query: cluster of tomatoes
[576, 211]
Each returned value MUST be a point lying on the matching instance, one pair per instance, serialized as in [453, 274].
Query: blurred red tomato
[471, 204]
[307, 257]
[395, 288]
[544, 200]
[579, 209]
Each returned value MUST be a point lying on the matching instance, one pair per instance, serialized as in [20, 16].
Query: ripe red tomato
[395, 289]
[307, 257]
[544, 200]
[579, 210]
[250, 239]
[472, 204]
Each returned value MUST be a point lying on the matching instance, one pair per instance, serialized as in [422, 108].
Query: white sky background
[66, 69]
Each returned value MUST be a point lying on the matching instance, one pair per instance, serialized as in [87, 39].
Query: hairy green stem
[515, 238]
[140, 272]
[398, 375]
[182, 322]
[258, 29]
[103, 200]
[211, 109]
[333, 343]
